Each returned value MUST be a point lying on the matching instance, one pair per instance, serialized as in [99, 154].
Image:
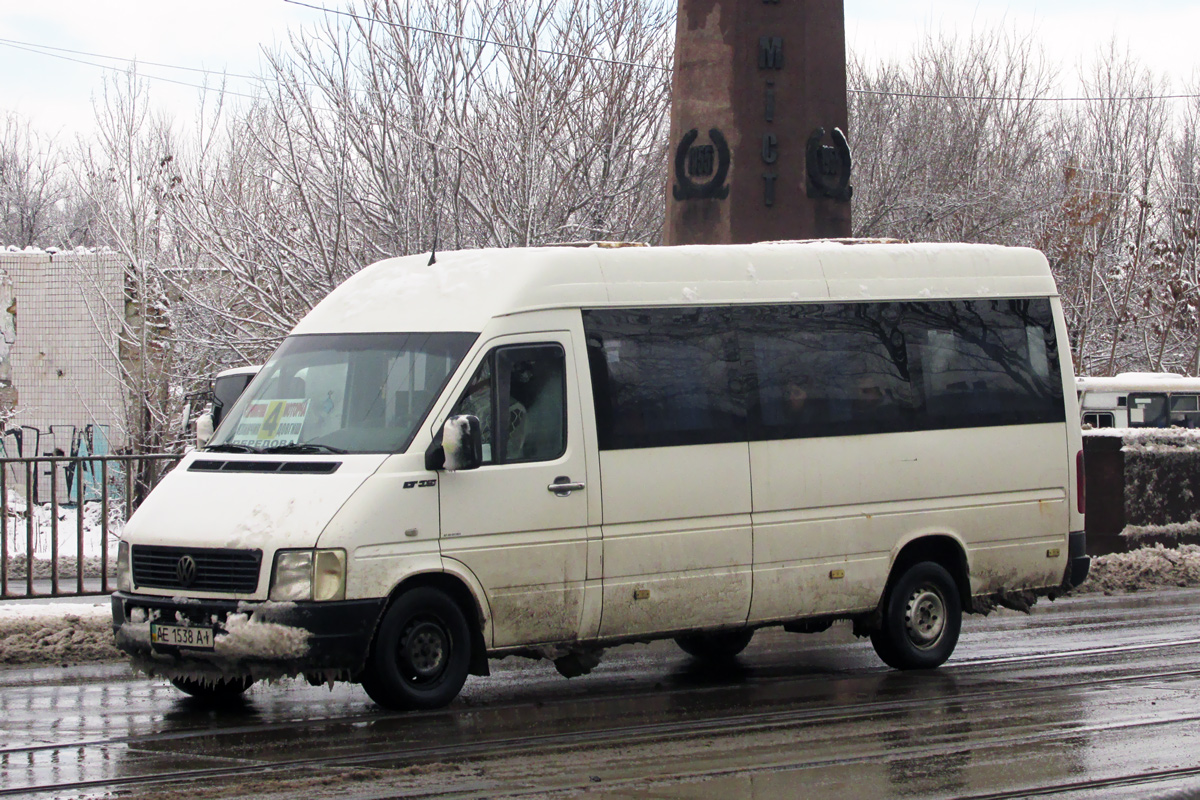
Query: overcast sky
[226, 35]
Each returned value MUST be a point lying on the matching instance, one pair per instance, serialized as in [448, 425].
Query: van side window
[676, 376]
[986, 362]
[519, 395]
[665, 376]
[828, 370]
[846, 369]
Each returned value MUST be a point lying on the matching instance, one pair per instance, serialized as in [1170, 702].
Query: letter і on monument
[758, 123]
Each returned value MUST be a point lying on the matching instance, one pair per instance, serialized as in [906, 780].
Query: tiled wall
[64, 362]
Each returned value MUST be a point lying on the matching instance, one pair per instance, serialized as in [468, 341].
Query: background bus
[1139, 400]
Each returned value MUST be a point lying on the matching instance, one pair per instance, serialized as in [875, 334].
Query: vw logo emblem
[185, 571]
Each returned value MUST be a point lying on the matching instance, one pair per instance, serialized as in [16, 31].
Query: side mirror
[461, 446]
[204, 429]
[185, 417]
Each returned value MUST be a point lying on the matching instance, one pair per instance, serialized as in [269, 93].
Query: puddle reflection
[945, 745]
[934, 734]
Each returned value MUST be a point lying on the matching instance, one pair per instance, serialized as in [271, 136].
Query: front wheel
[422, 652]
[922, 617]
[213, 692]
[718, 646]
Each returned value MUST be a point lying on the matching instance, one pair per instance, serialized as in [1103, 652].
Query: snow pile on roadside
[59, 633]
[1144, 569]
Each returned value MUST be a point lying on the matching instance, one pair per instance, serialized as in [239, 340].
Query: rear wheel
[922, 617]
[717, 646]
[220, 691]
[422, 652]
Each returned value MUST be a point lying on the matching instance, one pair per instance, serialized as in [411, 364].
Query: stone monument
[758, 122]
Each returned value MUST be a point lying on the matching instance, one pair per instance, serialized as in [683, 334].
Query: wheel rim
[925, 617]
[424, 651]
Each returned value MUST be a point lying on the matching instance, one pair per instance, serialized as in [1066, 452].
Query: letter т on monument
[758, 116]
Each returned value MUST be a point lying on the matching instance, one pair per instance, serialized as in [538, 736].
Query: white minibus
[1139, 400]
[547, 452]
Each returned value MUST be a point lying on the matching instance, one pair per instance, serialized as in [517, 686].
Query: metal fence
[61, 519]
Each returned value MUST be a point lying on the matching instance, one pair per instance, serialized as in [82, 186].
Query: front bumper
[280, 639]
[1078, 562]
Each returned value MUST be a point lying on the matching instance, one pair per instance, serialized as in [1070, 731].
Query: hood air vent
[293, 467]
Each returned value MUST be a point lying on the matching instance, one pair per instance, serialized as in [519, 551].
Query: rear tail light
[1080, 484]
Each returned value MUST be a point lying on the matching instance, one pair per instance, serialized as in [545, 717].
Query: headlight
[329, 575]
[124, 568]
[309, 575]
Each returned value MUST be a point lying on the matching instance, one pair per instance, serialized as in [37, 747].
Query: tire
[224, 691]
[922, 617]
[718, 646]
[421, 654]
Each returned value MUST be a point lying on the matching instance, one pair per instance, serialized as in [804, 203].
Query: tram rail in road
[1078, 716]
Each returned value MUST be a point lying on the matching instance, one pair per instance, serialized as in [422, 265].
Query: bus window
[1185, 410]
[1148, 410]
[1099, 419]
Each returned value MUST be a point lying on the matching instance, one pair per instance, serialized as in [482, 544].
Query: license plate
[179, 636]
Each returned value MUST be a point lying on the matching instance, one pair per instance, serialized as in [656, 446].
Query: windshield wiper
[231, 448]
[304, 448]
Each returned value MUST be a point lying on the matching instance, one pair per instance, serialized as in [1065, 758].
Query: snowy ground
[48, 632]
[1145, 569]
[79, 631]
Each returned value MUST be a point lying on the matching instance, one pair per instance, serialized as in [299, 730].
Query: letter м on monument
[770, 52]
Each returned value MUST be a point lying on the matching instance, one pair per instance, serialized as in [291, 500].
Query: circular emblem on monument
[829, 167]
[701, 169]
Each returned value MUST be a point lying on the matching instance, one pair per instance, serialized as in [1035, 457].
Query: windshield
[342, 393]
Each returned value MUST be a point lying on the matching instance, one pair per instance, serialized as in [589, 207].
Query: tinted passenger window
[664, 376]
[694, 376]
[828, 370]
[986, 362]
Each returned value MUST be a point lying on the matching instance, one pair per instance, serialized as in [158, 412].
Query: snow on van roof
[463, 290]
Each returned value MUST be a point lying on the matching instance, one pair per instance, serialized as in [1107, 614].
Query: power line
[58, 52]
[1018, 98]
[41, 49]
[479, 40]
[45, 50]
[1110, 174]
[33, 48]
[561, 54]
[201, 70]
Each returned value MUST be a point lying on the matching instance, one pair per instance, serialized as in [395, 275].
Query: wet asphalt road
[1086, 698]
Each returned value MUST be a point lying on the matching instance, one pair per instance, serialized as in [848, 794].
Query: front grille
[232, 571]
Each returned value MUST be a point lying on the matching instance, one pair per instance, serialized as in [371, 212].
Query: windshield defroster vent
[293, 467]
